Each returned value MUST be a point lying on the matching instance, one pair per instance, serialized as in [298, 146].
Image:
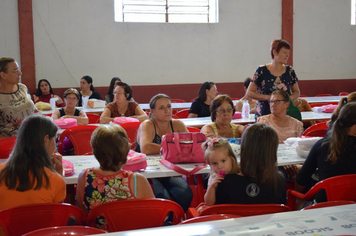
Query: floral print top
[266, 83]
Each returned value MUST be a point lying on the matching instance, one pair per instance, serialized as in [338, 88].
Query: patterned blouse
[131, 109]
[266, 83]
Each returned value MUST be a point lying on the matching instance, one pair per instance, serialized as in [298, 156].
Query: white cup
[85, 100]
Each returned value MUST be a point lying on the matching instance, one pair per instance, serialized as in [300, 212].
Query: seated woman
[87, 89]
[109, 97]
[44, 93]
[285, 125]
[149, 137]
[251, 101]
[335, 153]
[343, 101]
[222, 110]
[201, 105]
[122, 106]
[109, 182]
[33, 173]
[15, 103]
[71, 97]
[258, 180]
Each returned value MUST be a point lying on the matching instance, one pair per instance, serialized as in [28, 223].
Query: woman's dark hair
[3, 63]
[127, 88]
[39, 92]
[337, 136]
[110, 146]
[259, 144]
[247, 82]
[202, 91]
[25, 168]
[350, 98]
[218, 101]
[89, 81]
[278, 44]
[113, 82]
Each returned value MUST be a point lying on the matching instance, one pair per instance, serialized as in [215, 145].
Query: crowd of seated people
[256, 179]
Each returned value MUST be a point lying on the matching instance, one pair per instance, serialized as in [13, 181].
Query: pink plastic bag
[135, 161]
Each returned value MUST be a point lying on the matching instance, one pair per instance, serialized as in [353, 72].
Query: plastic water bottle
[245, 109]
[52, 101]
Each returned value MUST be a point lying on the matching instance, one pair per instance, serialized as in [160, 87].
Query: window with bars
[353, 12]
[170, 11]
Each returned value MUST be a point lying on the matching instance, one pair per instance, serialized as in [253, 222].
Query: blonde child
[258, 180]
[222, 161]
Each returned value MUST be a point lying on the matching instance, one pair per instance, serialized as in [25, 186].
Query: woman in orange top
[33, 174]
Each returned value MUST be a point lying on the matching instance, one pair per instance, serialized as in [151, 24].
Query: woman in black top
[201, 105]
[87, 89]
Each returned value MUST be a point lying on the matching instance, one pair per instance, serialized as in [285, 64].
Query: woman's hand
[57, 163]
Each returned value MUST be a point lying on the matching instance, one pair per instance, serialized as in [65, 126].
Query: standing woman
[149, 138]
[44, 93]
[109, 97]
[201, 105]
[15, 102]
[122, 106]
[87, 89]
[273, 76]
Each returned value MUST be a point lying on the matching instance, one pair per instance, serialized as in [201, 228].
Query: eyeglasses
[276, 102]
[118, 93]
[72, 99]
[221, 111]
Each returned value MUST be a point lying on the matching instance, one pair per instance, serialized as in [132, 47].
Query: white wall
[78, 37]
[324, 40]
[9, 28]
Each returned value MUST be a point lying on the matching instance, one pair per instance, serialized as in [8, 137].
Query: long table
[337, 220]
[286, 155]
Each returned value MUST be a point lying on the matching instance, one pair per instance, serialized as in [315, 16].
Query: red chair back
[49, 114]
[93, 118]
[244, 209]
[183, 113]
[80, 138]
[235, 99]
[316, 130]
[344, 94]
[6, 146]
[337, 188]
[208, 218]
[23, 219]
[136, 214]
[324, 95]
[65, 231]
[193, 129]
[328, 204]
[301, 96]
[131, 130]
[175, 100]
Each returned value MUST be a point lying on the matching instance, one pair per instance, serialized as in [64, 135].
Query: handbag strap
[180, 170]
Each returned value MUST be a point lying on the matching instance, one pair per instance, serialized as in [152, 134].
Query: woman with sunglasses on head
[222, 110]
[273, 76]
[15, 103]
[122, 106]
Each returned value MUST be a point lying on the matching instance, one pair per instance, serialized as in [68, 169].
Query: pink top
[294, 129]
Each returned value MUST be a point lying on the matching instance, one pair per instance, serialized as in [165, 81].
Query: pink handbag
[183, 148]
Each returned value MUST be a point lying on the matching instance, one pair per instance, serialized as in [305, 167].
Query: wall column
[27, 48]
[287, 25]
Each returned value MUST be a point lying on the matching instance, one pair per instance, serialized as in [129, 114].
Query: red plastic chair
[93, 118]
[131, 130]
[239, 209]
[136, 214]
[183, 113]
[174, 116]
[328, 204]
[193, 129]
[175, 100]
[80, 137]
[301, 96]
[6, 146]
[208, 218]
[340, 187]
[324, 95]
[65, 231]
[235, 99]
[49, 114]
[23, 219]
[193, 100]
[344, 94]
[316, 130]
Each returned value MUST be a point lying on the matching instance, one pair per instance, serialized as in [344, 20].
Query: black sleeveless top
[62, 113]
[157, 139]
